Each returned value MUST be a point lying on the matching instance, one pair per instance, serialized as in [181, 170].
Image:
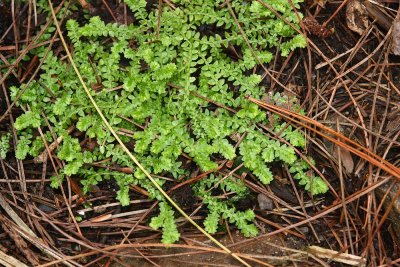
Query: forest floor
[348, 81]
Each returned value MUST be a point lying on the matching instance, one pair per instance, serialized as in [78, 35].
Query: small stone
[265, 202]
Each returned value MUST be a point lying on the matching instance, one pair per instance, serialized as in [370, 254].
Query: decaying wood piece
[336, 256]
[356, 16]
[395, 44]
[358, 12]
[377, 13]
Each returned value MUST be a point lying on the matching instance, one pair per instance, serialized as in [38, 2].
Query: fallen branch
[333, 255]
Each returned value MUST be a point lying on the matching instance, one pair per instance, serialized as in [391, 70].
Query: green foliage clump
[166, 221]
[4, 145]
[219, 209]
[316, 185]
[147, 82]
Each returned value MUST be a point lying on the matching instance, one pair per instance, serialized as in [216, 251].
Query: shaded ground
[350, 85]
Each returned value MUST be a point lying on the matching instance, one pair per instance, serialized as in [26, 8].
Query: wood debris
[337, 256]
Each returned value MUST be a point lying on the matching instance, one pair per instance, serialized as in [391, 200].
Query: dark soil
[346, 230]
